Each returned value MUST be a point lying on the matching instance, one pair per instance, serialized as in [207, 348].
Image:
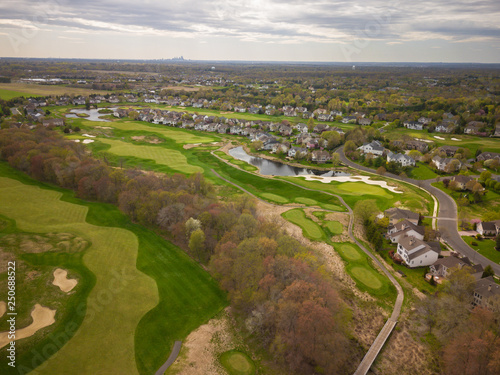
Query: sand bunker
[42, 317]
[424, 140]
[76, 140]
[191, 145]
[143, 138]
[61, 280]
[455, 139]
[88, 135]
[438, 137]
[88, 141]
[102, 127]
[3, 308]
[365, 179]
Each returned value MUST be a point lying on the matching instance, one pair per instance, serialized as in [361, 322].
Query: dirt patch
[61, 280]
[191, 145]
[403, 354]
[3, 308]
[42, 317]
[103, 127]
[201, 349]
[5, 258]
[226, 113]
[367, 321]
[143, 138]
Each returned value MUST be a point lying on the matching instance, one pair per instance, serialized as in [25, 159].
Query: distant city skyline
[254, 30]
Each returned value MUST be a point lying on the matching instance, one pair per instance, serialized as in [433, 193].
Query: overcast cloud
[357, 30]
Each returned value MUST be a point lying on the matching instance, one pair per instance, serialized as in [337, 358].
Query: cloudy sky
[262, 30]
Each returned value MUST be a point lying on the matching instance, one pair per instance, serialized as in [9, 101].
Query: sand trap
[61, 280]
[102, 127]
[42, 317]
[424, 140]
[88, 135]
[438, 137]
[365, 179]
[455, 139]
[88, 141]
[3, 308]
[76, 140]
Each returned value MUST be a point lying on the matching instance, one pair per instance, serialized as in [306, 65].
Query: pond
[93, 114]
[273, 168]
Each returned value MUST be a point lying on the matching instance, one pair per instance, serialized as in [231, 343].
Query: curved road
[447, 216]
[385, 332]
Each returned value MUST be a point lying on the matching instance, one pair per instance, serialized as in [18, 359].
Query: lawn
[27, 89]
[6, 94]
[148, 293]
[310, 229]
[334, 227]
[422, 172]
[161, 155]
[485, 247]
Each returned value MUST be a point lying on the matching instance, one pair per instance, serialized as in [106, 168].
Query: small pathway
[171, 359]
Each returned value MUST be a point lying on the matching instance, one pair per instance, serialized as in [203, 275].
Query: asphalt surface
[447, 215]
[171, 359]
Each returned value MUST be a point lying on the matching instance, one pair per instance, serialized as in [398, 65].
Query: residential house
[348, 119]
[364, 121]
[301, 127]
[270, 144]
[240, 109]
[402, 159]
[53, 122]
[319, 156]
[448, 150]
[488, 156]
[405, 228]
[320, 128]
[475, 127]
[285, 130]
[397, 214]
[461, 181]
[307, 115]
[79, 101]
[374, 148]
[312, 143]
[443, 266]
[414, 125]
[497, 131]
[445, 127]
[325, 117]
[425, 120]
[296, 152]
[417, 145]
[445, 164]
[488, 228]
[486, 292]
[417, 253]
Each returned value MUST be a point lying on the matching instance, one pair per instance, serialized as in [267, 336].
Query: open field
[28, 89]
[310, 229]
[10, 94]
[172, 158]
[485, 247]
[130, 322]
[422, 172]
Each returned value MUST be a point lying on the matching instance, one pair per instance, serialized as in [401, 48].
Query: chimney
[489, 288]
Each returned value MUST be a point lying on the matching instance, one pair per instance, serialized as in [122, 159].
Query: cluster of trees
[285, 298]
[278, 287]
[468, 338]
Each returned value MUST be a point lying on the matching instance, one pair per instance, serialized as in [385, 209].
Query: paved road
[384, 334]
[447, 209]
[171, 359]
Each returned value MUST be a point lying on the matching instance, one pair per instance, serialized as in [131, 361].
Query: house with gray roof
[405, 228]
[375, 148]
[485, 292]
[397, 214]
[402, 159]
[417, 253]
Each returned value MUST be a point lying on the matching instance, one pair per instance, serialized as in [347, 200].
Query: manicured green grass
[259, 185]
[180, 136]
[310, 229]
[349, 252]
[367, 277]
[237, 363]
[274, 198]
[485, 247]
[161, 155]
[422, 172]
[334, 227]
[307, 201]
[11, 94]
[123, 331]
[352, 192]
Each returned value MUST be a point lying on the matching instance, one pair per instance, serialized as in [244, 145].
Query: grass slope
[188, 296]
[161, 155]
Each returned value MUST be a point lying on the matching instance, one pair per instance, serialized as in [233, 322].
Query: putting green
[161, 155]
[178, 135]
[350, 252]
[237, 363]
[307, 201]
[335, 227]
[309, 228]
[274, 197]
[104, 343]
[367, 277]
